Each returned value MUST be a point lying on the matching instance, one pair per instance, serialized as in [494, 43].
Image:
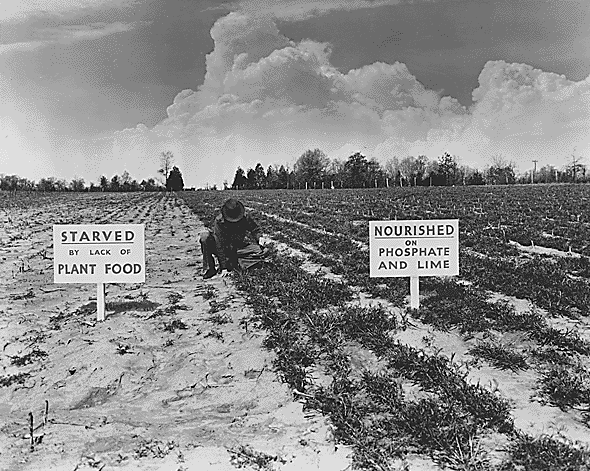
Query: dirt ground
[174, 379]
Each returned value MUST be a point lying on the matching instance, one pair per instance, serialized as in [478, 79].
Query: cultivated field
[176, 378]
[305, 363]
[491, 373]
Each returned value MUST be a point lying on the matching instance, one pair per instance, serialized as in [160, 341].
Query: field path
[175, 378]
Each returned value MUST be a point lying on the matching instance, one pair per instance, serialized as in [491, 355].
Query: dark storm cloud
[91, 73]
[447, 43]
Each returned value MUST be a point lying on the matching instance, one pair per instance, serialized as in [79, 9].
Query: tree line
[171, 176]
[313, 169]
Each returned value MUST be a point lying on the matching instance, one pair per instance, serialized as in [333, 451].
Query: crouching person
[228, 241]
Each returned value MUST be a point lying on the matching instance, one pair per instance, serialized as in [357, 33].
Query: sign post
[100, 302]
[414, 248]
[103, 253]
[415, 292]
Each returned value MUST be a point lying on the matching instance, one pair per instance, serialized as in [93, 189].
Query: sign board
[414, 248]
[99, 253]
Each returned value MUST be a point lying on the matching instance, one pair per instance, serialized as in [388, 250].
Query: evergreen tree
[251, 179]
[104, 183]
[240, 180]
[175, 181]
[272, 177]
[259, 177]
[115, 183]
[283, 177]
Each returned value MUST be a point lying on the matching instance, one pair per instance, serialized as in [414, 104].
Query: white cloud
[83, 31]
[23, 9]
[302, 9]
[19, 20]
[240, 40]
[20, 46]
[268, 99]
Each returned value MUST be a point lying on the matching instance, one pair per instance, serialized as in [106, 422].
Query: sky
[96, 87]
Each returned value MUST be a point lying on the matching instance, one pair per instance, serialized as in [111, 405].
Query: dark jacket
[229, 237]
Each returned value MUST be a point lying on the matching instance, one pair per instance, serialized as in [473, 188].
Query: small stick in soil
[260, 374]
[52, 290]
[299, 393]
[32, 431]
[46, 412]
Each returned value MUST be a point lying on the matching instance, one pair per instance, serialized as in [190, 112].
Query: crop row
[545, 283]
[309, 324]
[553, 216]
[450, 305]
[559, 286]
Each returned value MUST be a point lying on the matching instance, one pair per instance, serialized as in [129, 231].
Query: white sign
[414, 248]
[103, 253]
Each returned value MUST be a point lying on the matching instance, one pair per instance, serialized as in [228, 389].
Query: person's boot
[208, 262]
[210, 273]
[209, 270]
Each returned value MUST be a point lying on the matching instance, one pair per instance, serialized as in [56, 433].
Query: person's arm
[253, 228]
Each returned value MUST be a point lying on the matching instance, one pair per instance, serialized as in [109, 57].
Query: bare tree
[498, 160]
[501, 172]
[391, 167]
[576, 165]
[166, 161]
[412, 169]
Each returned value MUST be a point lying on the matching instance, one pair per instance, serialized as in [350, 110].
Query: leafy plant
[243, 456]
[566, 385]
[174, 298]
[544, 453]
[123, 349]
[220, 318]
[210, 293]
[500, 356]
[174, 325]
[18, 378]
[215, 334]
[28, 358]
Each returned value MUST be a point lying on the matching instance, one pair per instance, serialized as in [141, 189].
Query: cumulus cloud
[266, 98]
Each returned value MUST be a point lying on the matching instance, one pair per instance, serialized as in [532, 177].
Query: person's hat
[232, 210]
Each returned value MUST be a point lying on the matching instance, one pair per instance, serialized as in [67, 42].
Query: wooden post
[415, 292]
[100, 302]
[32, 432]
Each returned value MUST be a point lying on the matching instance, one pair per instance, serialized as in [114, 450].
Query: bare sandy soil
[174, 379]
